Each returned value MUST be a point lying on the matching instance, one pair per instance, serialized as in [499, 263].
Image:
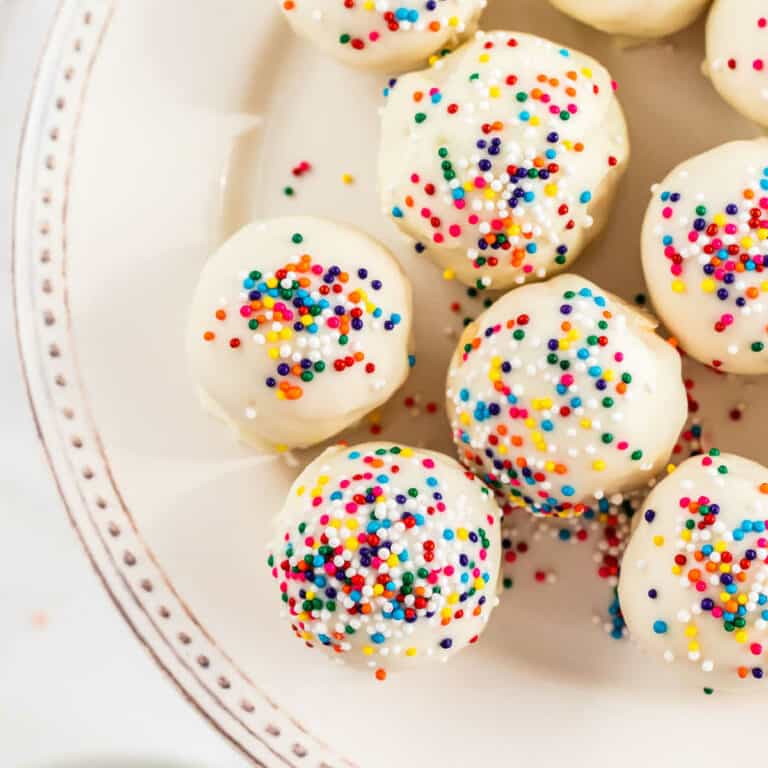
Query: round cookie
[634, 18]
[503, 158]
[381, 34]
[694, 580]
[387, 556]
[560, 394]
[737, 55]
[298, 328]
[705, 254]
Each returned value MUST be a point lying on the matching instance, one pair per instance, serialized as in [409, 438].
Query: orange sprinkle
[763, 487]
[381, 674]
[209, 335]
[289, 5]
[221, 314]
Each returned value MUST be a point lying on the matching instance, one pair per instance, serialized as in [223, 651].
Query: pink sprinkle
[667, 212]
[618, 357]
[317, 269]
[245, 310]
[473, 219]
[761, 22]
[317, 501]
[332, 322]
[756, 648]
[717, 612]
[428, 463]
[351, 508]
[373, 36]
[758, 64]
[622, 446]
[454, 230]
[324, 519]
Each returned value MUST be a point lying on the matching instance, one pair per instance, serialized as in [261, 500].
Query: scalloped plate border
[129, 571]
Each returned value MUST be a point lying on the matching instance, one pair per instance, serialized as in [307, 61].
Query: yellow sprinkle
[741, 599]
[747, 242]
[720, 546]
[445, 613]
[468, 186]
[392, 561]
[310, 595]
[671, 468]
[741, 636]
[708, 285]
[719, 219]
[598, 465]
[272, 336]
[410, 651]
[483, 58]
[448, 274]
[676, 570]
[286, 334]
[513, 230]
[609, 375]
[494, 92]
[489, 194]
[453, 598]
[368, 650]
[479, 583]
[678, 286]
[658, 541]
[585, 424]
[300, 490]
[691, 630]
[462, 533]
[693, 646]
[465, 418]
[550, 190]
[685, 534]
[406, 453]
[272, 282]
[762, 233]
[378, 589]
[535, 120]
[586, 71]
[351, 543]
[348, 178]
[337, 524]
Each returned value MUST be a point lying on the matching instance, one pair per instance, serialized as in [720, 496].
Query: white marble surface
[76, 688]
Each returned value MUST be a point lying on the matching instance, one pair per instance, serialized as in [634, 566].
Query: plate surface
[156, 130]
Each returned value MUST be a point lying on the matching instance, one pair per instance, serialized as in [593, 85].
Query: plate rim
[178, 643]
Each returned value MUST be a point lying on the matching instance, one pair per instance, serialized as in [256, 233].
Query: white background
[76, 688]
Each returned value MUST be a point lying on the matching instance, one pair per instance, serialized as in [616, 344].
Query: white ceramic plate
[156, 129]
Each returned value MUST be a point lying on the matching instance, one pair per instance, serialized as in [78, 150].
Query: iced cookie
[504, 159]
[298, 328]
[634, 18]
[383, 34]
[387, 556]
[737, 55]
[560, 395]
[694, 581]
[705, 252]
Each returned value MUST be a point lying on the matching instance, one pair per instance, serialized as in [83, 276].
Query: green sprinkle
[297, 238]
